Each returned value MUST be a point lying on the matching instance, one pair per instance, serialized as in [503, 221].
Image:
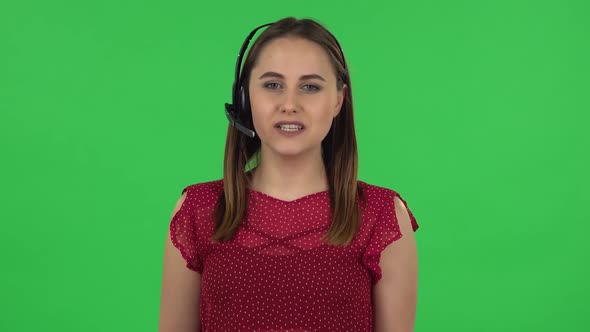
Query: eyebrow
[303, 77]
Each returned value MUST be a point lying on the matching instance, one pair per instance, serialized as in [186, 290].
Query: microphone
[234, 122]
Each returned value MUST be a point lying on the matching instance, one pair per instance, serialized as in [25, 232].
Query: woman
[289, 239]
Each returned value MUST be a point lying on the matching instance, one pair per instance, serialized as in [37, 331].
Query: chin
[288, 152]
[292, 151]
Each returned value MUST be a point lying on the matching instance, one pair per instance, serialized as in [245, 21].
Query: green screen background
[476, 112]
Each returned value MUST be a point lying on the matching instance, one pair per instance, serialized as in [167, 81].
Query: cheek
[326, 122]
[260, 113]
[321, 117]
[327, 109]
[258, 101]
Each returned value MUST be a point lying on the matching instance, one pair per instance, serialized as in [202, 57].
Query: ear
[340, 100]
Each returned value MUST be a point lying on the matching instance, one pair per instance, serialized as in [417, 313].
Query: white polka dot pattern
[276, 275]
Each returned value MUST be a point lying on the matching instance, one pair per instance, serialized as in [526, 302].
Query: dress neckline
[299, 199]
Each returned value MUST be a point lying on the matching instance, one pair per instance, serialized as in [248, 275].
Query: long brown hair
[339, 148]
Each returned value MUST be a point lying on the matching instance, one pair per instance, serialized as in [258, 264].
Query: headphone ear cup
[244, 101]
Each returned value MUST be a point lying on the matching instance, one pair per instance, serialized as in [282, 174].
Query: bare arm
[181, 290]
[395, 294]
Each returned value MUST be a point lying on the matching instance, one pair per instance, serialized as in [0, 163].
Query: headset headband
[237, 79]
[231, 110]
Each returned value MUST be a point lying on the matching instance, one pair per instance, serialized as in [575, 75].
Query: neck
[290, 177]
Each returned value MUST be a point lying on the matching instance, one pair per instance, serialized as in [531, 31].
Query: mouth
[289, 127]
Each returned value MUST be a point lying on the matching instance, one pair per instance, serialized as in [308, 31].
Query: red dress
[276, 274]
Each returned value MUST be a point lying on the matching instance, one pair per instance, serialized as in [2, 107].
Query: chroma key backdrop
[476, 112]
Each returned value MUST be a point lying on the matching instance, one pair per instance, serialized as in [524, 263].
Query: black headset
[240, 101]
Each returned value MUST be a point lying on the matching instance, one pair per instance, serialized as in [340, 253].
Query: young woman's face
[293, 83]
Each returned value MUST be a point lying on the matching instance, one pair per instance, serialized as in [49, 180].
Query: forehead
[293, 55]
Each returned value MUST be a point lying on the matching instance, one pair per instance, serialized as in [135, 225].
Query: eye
[272, 85]
[311, 87]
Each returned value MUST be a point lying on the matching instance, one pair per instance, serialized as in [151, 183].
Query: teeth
[291, 127]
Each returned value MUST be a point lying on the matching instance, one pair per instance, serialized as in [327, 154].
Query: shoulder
[388, 203]
[377, 194]
[203, 193]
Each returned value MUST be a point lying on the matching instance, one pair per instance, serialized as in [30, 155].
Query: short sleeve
[183, 232]
[385, 231]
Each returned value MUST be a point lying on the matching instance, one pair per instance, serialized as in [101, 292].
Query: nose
[289, 102]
